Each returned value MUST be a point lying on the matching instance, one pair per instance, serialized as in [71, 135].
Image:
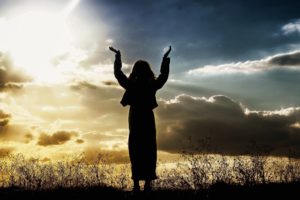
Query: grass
[196, 176]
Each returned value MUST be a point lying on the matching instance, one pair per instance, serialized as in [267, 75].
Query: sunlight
[70, 7]
[34, 38]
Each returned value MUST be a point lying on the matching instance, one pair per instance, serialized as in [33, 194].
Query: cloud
[79, 141]
[4, 122]
[4, 115]
[92, 136]
[291, 27]
[10, 86]
[18, 133]
[4, 118]
[28, 137]
[251, 82]
[6, 151]
[11, 132]
[10, 78]
[99, 99]
[110, 83]
[290, 60]
[221, 32]
[57, 138]
[97, 55]
[82, 85]
[185, 121]
[286, 59]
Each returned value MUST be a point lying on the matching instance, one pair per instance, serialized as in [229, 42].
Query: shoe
[136, 189]
[147, 188]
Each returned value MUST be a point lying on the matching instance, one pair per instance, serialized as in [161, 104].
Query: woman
[141, 87]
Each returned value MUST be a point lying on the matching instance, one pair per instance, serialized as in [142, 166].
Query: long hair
[141, 71]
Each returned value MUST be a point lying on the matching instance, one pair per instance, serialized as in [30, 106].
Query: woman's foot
[136, 186]
[147, 186]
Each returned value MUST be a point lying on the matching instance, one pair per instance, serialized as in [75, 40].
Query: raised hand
[114, 50]
[168, 52]
[117, 52]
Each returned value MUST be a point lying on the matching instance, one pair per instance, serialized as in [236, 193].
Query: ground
[218, 191]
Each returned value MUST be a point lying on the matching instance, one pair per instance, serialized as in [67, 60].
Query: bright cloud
[291, 27]
[289, 60]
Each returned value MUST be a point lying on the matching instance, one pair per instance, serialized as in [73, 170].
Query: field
[195, 176]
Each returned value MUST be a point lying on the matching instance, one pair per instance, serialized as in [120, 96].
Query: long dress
[142, 144]
[140, 96]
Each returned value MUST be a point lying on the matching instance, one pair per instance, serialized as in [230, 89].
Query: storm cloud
[203, 32]
[289, 59]
[185, 121]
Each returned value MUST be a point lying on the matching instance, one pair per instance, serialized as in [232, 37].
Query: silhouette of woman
[141, 87]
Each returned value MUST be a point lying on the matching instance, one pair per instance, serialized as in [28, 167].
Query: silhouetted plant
[290, 172]
[193, 171]
[251, 169]
[222, 173]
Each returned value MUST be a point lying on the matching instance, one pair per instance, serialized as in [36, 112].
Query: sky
[234, 79]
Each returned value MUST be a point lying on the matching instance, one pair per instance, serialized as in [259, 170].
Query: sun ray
[70, 7]
[35, 37]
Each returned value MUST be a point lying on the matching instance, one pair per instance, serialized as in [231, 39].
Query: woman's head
[142, 71]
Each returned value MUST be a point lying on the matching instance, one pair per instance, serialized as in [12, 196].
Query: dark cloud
[110, 83]
[10, 86]
[4, 115]
[57, 138]
[4, 119]
[28, 137]
[10, 78]
[4, 122]
[14, 132]
[289, 59]
[9, 132]
[79, 141]
[83, 85]
[220, 118]
[202, 32]
[185, 122]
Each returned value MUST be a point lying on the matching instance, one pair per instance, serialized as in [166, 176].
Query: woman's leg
[136, 185]
[147, 186]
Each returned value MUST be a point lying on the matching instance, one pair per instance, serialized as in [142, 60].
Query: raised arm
[164, 70]
[120, 76]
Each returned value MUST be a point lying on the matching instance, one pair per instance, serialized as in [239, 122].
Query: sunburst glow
[35, 37]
